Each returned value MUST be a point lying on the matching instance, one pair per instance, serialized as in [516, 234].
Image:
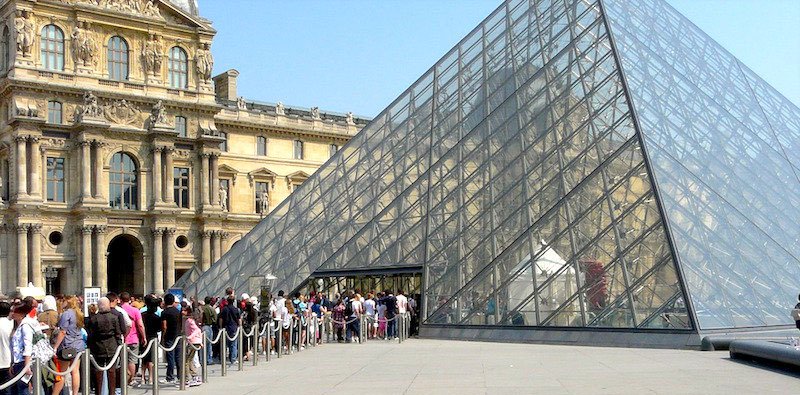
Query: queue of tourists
[55, 331]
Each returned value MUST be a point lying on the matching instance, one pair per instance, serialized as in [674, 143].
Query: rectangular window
[262, 197]
[261, 146]
[225, 185]
[181, 182]
[298, 149]
[333, 149]
[55, 179]
[223, 146]
[180, 126]
[54, 112]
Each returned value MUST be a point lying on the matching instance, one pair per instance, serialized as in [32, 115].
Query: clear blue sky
[358, 55]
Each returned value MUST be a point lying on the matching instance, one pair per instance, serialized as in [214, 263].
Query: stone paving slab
[463, 368]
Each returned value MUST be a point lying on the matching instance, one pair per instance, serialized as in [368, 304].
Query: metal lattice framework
[570, 163]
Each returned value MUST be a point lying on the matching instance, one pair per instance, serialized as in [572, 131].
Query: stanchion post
[291, 336]
[280, 338]
[240, 342]
[223, 351]
[268, 347]
[123, 369]
[86, 371]
[154, 370]
[204, 359]
[180, 359]
[37, 376]
[255, 343]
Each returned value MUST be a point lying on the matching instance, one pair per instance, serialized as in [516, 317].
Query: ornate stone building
[124, 163]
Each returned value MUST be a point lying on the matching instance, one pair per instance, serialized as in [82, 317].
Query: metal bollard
[37, 376]
[181, 360]
[291, 329]
[85, 372]
[280, 338]
[268, 346]
[361, 329]
[153, 371]
[255, 344]
[240, 341]
[204, 359]
[223, 352]
[123, 369]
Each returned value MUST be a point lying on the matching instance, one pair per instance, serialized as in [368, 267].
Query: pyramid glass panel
[578, 164]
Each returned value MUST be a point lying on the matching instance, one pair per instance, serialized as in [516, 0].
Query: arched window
[4, 51]
[178, 68]
[52, 46]
[123, 184]
[54, 113]
[117, 59]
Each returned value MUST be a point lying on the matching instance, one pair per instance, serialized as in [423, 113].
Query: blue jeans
[173, 358]
[391, 326]
[20, 387]
[208, 332]
[233, 349]
[353, 328]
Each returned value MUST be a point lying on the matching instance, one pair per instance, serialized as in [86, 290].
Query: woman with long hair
[69, 342]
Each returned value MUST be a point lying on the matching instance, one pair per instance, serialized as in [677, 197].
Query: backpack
[42, 350]
[796, 314]
[348, 309]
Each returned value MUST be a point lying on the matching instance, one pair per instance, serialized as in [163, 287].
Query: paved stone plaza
[454, 367]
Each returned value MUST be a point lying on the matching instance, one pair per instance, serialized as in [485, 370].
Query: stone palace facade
[124, 162]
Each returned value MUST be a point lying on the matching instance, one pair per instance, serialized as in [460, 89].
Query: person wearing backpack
[209, 321]
[22, 346]
[354, 326]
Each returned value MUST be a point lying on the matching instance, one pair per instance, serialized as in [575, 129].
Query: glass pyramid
[570, 163]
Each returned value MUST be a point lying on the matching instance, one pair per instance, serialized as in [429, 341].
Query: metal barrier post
[123, 369]
[180, 358]
[204, 359]
[361, 319]
[308, 334]
[85, 372]
[240, 341]
[280, 338]
[327, 330]
[268, 348]
[223, 352]
[153, 371]
[256, 343]
[291, 329]
[37, 376]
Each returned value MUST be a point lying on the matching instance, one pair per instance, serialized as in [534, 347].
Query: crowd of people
[116, 320]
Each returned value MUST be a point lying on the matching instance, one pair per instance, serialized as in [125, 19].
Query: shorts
[147, 358]
[132, 348]
[382, 324]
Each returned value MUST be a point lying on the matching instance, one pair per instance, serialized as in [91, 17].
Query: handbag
[42, 350]
[796, 314]
[66, 353]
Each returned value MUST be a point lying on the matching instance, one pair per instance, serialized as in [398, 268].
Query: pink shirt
[136, 319]
[193, 333]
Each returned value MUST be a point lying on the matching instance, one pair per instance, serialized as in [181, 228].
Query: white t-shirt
[6, 327]
[402, 304]
[369, 307]
[357, 308]
[381, 310]
[286, 317]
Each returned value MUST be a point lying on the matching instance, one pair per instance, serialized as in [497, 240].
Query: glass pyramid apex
[569, 164]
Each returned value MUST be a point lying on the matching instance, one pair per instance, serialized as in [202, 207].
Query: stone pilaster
[158, 260]
[21, 154]
[86, 170]
[168, 176]
[204, 185]
[169, 264]
[36, 255]
[97, 148]
[35, 170]
[86, 256]
[158, 188]
[100, 264]
[22, 254]
[214, 188]
[205, 262]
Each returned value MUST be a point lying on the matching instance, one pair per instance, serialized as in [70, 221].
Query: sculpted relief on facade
[205, 62]
[24, 32]
[84, 48]
[146, 8]
[151, 55]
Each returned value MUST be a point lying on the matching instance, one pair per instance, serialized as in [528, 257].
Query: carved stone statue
[263, 202]
[83, 46]
[23, 27]
[205, 62]
[151, 55]
[122, 112]
[241, 104]
[279, 109]
[223, 199]
[90, 108]
[315, 113]
[350, 120]
[151, 9]
[158, 116]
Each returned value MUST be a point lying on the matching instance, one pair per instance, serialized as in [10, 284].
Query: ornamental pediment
[150, 9]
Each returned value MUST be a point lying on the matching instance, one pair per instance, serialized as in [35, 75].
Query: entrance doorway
[125, 255]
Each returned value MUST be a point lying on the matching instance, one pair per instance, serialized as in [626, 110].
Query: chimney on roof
[225, 85]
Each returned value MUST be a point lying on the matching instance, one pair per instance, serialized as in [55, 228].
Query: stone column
[21, 170]
[168, 176]
[158, 260]
[98, 170]
[217, 248]
[22, 254]
[205, 261]
[169, 265]
[86, 255]
[36, 167]
[223, 237]
[43, 161]
[214, 180]
[204, 189]
[158, 188]
[100, 265]
[36, 255]
[86, 171]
